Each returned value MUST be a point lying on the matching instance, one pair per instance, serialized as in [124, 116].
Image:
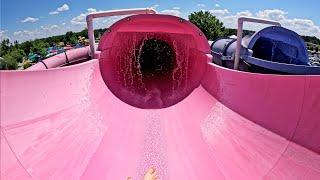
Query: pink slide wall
[63, 58]
[286, 105]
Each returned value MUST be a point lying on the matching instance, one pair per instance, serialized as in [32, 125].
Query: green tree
[208, 24]
[311, 39]
[229, 32]
[40, 47]
[73, 40]
[17, 54]
[8, 63]
[70, 38]
[26, 47]
[4, 47]
[83, 33]
[12, 58]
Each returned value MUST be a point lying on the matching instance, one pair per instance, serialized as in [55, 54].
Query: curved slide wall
[286, 105]
[65, 124]
[69, 56]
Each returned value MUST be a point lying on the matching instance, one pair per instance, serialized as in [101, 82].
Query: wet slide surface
[85, 132]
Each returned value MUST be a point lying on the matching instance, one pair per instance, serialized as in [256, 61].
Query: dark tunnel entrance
[156, 60]
[153, 61]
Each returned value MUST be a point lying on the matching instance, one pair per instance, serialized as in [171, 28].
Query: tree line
[14, 53]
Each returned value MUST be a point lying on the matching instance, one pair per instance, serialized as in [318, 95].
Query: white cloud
[90, 10]
[220, 12]
[173, 12]
[81, 19]
[76, 24]
[3, 34]
[49, 27]
[301, 26]
[217, 5]
[244, 13]
[30, 19]
[53, 12]
[176, 8]
[201, 5]
[24, 33]
[272, 14]
[43, 31]
[64, 7]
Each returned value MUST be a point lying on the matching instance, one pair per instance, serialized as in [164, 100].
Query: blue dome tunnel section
[271, 50]
[278, 44]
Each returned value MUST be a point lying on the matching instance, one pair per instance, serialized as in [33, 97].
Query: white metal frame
[241, 20]
[100, 14]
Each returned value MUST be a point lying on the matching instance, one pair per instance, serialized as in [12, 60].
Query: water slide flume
[83, 122]
[271, 50]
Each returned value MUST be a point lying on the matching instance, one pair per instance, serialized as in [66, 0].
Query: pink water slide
[110, 118]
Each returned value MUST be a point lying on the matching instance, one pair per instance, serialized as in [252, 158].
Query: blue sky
[29, 19]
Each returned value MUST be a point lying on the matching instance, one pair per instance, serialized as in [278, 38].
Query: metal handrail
[100, 14]
[241, 20]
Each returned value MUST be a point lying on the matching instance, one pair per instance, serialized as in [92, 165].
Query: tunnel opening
[276, 51]
[156, 61]
[152, 70]
[152, 61]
